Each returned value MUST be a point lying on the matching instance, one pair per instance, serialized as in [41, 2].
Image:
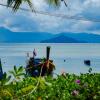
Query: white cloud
[81, 26]
[25, 21]
[92, 3]
[39, 4]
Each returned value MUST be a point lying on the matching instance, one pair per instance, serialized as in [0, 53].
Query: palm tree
[16, 3]
[55, 3]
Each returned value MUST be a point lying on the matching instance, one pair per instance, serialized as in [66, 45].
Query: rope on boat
[38, 65]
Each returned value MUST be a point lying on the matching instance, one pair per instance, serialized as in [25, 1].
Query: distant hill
[7, 36]
[61, 39]
[22, 37]
[74, 38]
[87, 37]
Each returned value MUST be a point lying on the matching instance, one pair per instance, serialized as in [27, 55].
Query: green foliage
[5, 94]
[55, 3]
[17, 3]
[63, 87]
[5, 79]
[17, 72]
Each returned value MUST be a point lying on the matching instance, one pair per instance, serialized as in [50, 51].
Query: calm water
[74, 54]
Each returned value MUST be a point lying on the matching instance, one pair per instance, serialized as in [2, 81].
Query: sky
[28, 21]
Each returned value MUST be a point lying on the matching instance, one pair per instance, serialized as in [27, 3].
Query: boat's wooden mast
[48, 52]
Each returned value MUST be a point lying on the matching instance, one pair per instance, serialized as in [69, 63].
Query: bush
[63, 87]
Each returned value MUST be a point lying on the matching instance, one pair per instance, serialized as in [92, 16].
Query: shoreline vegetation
[65, 86]
[18, 85]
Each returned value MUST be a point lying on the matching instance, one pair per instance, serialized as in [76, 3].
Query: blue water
[15, 54]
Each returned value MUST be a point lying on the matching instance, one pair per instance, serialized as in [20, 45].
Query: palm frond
[21, 74]
[20, 69]
[17, 3]
[8, 78]
[12, 72]
[65, 3]
[31, 5]
[15, 69]
[9, 2]
[55, 3]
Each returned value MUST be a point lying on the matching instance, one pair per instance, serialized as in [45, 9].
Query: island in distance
[62, 39]
[7, 36]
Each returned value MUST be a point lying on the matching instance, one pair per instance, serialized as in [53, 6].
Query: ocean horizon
[68, 57]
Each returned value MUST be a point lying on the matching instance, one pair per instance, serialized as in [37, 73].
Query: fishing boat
[87, 62]
[40, 67]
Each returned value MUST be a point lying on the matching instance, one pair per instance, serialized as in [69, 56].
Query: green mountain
[61, 39]
[7, 36]
[23, 37]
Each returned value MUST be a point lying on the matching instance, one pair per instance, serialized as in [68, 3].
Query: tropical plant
[5, 79]
[56, 3]
[17, 3]
[17, 72]
[63, 87]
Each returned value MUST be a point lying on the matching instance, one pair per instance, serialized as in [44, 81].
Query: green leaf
[4, 75]
[17, 3]
[15, 69]
[21, 74]
[20, 69]
[8, 78]
[9, 2]
[55, 3]
[12, 72]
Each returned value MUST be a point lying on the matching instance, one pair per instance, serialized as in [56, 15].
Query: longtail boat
[40, 67]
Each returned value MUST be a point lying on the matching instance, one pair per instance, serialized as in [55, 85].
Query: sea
[67, 57]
